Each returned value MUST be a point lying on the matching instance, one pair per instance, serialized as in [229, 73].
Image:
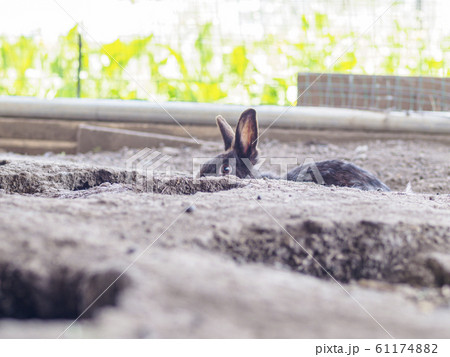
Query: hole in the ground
[88, 178]
[84, 186]
[33, 178]
[348, 251]
[64, 294]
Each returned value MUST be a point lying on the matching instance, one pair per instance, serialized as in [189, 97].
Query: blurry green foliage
[66, 62]
[16, 59]
[260, 72]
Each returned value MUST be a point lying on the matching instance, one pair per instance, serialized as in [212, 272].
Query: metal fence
[374, 92]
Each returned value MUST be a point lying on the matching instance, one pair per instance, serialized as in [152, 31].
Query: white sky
[104, 19]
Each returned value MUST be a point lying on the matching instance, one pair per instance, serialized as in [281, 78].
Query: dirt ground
[396, 158]
[224, 257]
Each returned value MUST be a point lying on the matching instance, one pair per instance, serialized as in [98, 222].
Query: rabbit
[241, 154]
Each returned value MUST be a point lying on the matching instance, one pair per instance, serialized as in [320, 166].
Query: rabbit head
[241, 151]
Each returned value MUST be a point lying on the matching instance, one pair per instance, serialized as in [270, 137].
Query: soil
[224, 257]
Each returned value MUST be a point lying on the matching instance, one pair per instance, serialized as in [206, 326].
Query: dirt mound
[51, 178]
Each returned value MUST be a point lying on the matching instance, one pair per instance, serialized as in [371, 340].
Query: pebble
[190, 209]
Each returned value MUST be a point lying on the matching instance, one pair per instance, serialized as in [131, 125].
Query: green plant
[252, 72]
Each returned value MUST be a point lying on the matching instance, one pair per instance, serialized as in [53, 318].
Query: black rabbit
[241, 154]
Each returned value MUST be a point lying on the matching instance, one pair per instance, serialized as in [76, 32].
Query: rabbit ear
[226, 131]
[246, 138]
